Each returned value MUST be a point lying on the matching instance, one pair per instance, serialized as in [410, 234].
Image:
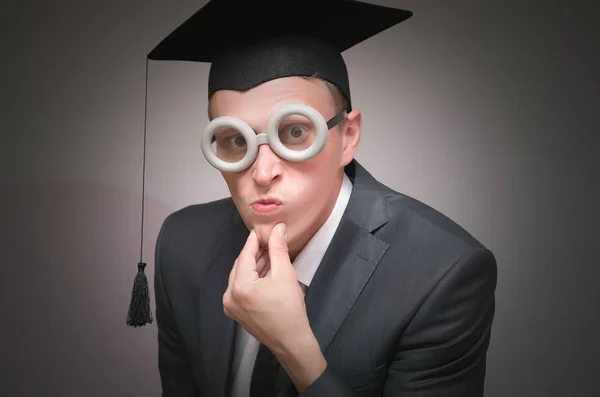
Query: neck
[303, 239]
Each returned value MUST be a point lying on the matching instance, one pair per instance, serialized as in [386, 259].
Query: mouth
[267, 205]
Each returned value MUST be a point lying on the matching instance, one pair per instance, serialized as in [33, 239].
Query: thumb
[278, 249]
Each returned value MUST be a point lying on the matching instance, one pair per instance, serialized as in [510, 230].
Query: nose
[266, 167]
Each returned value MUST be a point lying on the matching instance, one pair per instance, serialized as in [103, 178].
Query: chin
[263, 231]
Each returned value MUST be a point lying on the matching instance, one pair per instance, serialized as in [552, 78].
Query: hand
[269, 306]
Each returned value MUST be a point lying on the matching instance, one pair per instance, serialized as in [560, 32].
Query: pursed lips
[266, 205]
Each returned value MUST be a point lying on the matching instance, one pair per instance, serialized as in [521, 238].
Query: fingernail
[281, 229]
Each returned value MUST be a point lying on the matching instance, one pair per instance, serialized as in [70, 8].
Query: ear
[351, 132]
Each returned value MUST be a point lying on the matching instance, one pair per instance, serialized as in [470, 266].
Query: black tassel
[139, 308]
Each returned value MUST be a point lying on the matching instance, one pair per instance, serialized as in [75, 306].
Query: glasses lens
[229, 145]
[296, 132]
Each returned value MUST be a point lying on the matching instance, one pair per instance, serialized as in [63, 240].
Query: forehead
[256, 105]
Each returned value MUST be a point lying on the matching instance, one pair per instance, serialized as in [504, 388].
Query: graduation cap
[249, 42]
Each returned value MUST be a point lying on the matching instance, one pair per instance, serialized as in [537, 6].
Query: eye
[296, 132]
[239, 140]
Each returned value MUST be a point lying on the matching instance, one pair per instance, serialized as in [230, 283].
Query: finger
[246, 267]
[262, 261]
[265, 264]
[259, 247]
[232, 274]
[252, 246]
[227, 298]
[265, 271]
[227, 294]
[278, 251]
[233, 271]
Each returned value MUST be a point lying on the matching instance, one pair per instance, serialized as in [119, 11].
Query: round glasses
[296, 132]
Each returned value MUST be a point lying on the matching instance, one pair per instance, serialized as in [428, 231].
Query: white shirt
[305, 265]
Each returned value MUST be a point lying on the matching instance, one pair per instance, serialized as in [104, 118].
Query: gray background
[488, 113]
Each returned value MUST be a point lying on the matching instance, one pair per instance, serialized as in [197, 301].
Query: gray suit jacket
[402, 303]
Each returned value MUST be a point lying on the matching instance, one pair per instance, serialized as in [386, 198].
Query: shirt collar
[309, 259]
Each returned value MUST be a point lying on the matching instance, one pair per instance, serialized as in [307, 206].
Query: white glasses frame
[271, 137]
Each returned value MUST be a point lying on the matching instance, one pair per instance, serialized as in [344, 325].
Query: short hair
[340, 101]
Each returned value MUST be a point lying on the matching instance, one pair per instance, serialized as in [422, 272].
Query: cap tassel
[139, 308]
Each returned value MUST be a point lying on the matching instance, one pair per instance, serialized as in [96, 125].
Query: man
[313, 278]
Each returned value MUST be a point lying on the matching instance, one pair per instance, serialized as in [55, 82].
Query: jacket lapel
[344, 271]
[349, 262]
[217, 331]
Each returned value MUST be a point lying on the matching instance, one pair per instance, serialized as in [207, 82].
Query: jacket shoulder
[426, 246]
[426, 227]
[204, 215]
[192, 230]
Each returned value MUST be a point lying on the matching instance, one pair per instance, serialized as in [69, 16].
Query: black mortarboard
[249, 42]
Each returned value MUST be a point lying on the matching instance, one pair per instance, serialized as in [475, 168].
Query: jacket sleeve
[174, 369]
[443, 350]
